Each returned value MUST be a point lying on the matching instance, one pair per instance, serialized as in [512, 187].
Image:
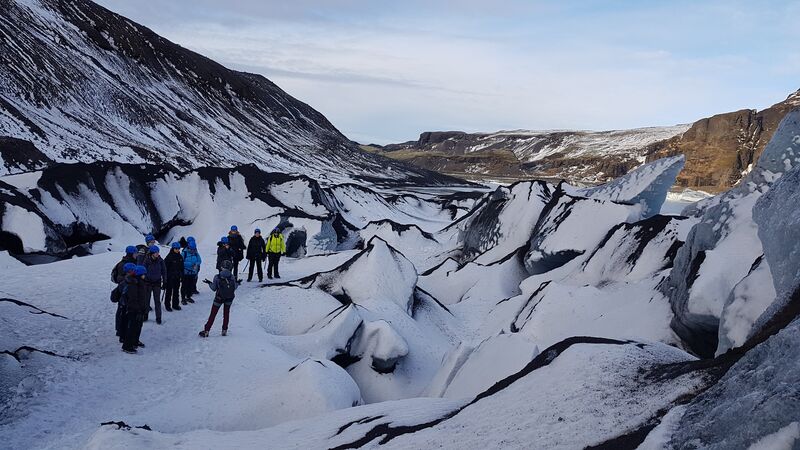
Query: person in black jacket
[172, 283]
[236, 242]
[256, 254]
[135, 298]
[224, 253]
[154, 278]
[118, 275]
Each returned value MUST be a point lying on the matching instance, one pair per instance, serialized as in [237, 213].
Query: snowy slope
[80, 83]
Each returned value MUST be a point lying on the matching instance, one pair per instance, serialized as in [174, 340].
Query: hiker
[174, 265]
[189, 240]
[154, 279]
[224, 285]
[135, 298]
[275, 248]
[256, 254]
[236, 242]
[224, 252]
[191, 269]
[118, 274]
[183, 242]
[149, 241]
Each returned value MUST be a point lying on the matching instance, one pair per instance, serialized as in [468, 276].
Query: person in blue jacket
[191, 270]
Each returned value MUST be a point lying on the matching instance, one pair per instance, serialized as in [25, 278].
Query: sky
[385, 71]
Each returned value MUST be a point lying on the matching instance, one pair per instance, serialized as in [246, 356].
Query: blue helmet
[140, 270]
[224, 239]
[234, 228]
[258, 230]
[149, 238]
[130, 250]
[190, 239]
[128, 267]
[192, 245]
[175, 245]
[154, 249]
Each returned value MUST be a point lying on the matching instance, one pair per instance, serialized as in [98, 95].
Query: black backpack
[225, 288]
[118, 293]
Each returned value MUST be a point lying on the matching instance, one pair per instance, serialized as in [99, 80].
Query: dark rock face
[80, 83]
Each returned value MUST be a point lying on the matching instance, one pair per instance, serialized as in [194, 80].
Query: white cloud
[386, 72]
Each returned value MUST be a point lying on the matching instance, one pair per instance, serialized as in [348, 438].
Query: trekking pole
[245, 265]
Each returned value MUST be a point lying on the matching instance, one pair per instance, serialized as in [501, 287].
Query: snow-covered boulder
[468, 370]
[569, 228]
[503, 221]
[381, 344]
[419, 246]
[635, 251]
[393, 277]
[746, 303]
[646, 186]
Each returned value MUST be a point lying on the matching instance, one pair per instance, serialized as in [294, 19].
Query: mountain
[584, 156]
[718, 150]
[79, 83]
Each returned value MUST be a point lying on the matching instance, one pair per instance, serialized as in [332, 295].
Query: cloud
[389, 70]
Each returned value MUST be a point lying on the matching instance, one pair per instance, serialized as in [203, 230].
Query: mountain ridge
[79, 83]
[719, 149]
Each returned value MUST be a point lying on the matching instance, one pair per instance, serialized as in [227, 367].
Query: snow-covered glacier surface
[531, 316]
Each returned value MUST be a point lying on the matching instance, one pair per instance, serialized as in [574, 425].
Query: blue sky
[384, 71]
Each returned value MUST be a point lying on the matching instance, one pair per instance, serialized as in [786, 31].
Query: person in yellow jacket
[276, 247]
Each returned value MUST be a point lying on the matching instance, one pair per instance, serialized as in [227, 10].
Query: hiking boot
[203, 333]
[176, 308]
[184, 302]
[190, 300]
[196, 291]
[224, 332]
[260, 280]
[132, 351]
[140, 344]
[158, 321]
[249, 280]
[168, 308]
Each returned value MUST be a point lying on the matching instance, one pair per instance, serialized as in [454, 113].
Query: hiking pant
[255, 262]
[153, 290]
[133, 331]
[119, 323]
[236, 269]
[272, 268]
[173, 287]
[188, 286]
[226, 312]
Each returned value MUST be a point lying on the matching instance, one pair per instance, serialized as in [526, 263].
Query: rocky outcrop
[719, 150]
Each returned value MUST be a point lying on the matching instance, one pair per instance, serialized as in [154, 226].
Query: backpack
[118, 294]
[226, 288]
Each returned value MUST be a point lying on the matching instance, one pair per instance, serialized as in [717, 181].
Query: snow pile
[502, 222]
[646, 186]
[468, 371]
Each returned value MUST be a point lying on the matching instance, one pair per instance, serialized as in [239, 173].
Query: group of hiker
[142, 273]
